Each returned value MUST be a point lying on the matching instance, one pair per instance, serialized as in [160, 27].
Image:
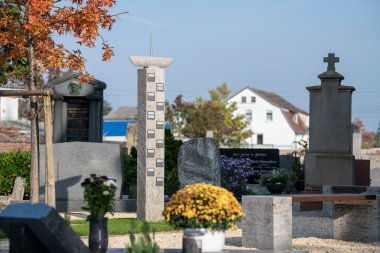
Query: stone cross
[331, 60]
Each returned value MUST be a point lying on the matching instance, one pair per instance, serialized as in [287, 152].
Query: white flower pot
[212, 240]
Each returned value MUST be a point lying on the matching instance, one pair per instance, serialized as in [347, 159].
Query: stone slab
[39, 228]
[75, 161]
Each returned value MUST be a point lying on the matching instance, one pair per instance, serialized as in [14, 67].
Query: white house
[275, 122]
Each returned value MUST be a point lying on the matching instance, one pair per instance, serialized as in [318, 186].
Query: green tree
[216, 114]
[107, 107]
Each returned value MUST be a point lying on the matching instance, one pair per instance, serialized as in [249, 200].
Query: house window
[151, 96]
[151, 77]
[260, 139]
[244, 99]
[248, 115]
[269, 115]
[253, 99]
[295, 118]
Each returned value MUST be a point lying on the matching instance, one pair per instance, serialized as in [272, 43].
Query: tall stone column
[329, 160]
[150, 136]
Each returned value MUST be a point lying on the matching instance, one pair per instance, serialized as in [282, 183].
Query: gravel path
[311, 232]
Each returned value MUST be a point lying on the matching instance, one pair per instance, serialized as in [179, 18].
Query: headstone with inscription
[78, 110]
[260, 161]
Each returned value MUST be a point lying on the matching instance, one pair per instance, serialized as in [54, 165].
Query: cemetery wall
[13, 146]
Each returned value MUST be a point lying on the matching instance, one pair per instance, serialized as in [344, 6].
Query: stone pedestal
[150, 136]
[267, 224]
[328, 169]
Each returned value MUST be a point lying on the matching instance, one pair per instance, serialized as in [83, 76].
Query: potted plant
[299, 165]
[99, 193]
[275, 180]
[204, 207]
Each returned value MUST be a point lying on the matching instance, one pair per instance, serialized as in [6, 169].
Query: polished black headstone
[39, 228]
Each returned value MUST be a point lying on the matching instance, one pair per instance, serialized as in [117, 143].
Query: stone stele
[198, 162]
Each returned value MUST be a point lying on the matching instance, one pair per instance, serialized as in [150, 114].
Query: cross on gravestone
[331, 60]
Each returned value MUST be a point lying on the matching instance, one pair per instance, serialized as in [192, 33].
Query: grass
[116, 226]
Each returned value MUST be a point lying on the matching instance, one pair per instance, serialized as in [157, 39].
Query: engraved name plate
[150, 172]
[150, 152]
[151, 77]
[150, 115]
[150, 133]
[151, 96]
[160, 87]
[160, 106]
[159, 162]
[159, 143]
[159, 181]
[160, 125]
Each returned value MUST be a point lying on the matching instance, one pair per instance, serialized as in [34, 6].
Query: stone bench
[267, 224]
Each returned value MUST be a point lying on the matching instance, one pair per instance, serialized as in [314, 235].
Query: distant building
[115, 124]
[8, 107]
[275, 122]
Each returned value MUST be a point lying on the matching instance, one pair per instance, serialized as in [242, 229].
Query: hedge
[14, 164]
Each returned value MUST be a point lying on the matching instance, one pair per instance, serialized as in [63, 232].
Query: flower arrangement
[203, 206]
[235, 173]
[277, 176]
[99, 193]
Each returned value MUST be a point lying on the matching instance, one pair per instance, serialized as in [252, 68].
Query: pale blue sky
[276, 46]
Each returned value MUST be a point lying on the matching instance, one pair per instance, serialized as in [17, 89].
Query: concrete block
[268, 222]
[357, 222]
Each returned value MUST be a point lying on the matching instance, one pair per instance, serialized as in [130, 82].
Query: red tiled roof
[298, 128]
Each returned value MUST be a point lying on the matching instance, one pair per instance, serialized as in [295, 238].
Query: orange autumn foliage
[37, 23]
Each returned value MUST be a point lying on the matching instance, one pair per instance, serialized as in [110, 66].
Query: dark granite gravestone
[198, 162]
[38, 228]
[260, 161]
[329, 160]
[78, 110]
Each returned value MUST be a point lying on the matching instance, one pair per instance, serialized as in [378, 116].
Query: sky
[276, 46]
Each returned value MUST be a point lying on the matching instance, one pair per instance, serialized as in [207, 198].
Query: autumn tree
[377, 137]
[28, 33]
[215, 114]
[368, 138]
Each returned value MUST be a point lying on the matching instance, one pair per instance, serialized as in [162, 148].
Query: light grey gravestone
[198, 162]
[75, 161]
[329, 160]
[150, 136]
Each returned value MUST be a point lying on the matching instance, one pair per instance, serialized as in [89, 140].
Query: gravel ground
[311, 232]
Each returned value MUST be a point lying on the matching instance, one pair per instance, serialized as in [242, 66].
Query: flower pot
[276, 188]
[98, 237]
[300, 185]
[211, 240]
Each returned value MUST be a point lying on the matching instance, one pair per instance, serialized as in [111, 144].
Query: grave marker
[150, 136]
[329, 160]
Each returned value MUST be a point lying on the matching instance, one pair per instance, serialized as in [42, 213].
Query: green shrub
[171, 169]
[130, 168]
[14, 164]
[171, 163]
